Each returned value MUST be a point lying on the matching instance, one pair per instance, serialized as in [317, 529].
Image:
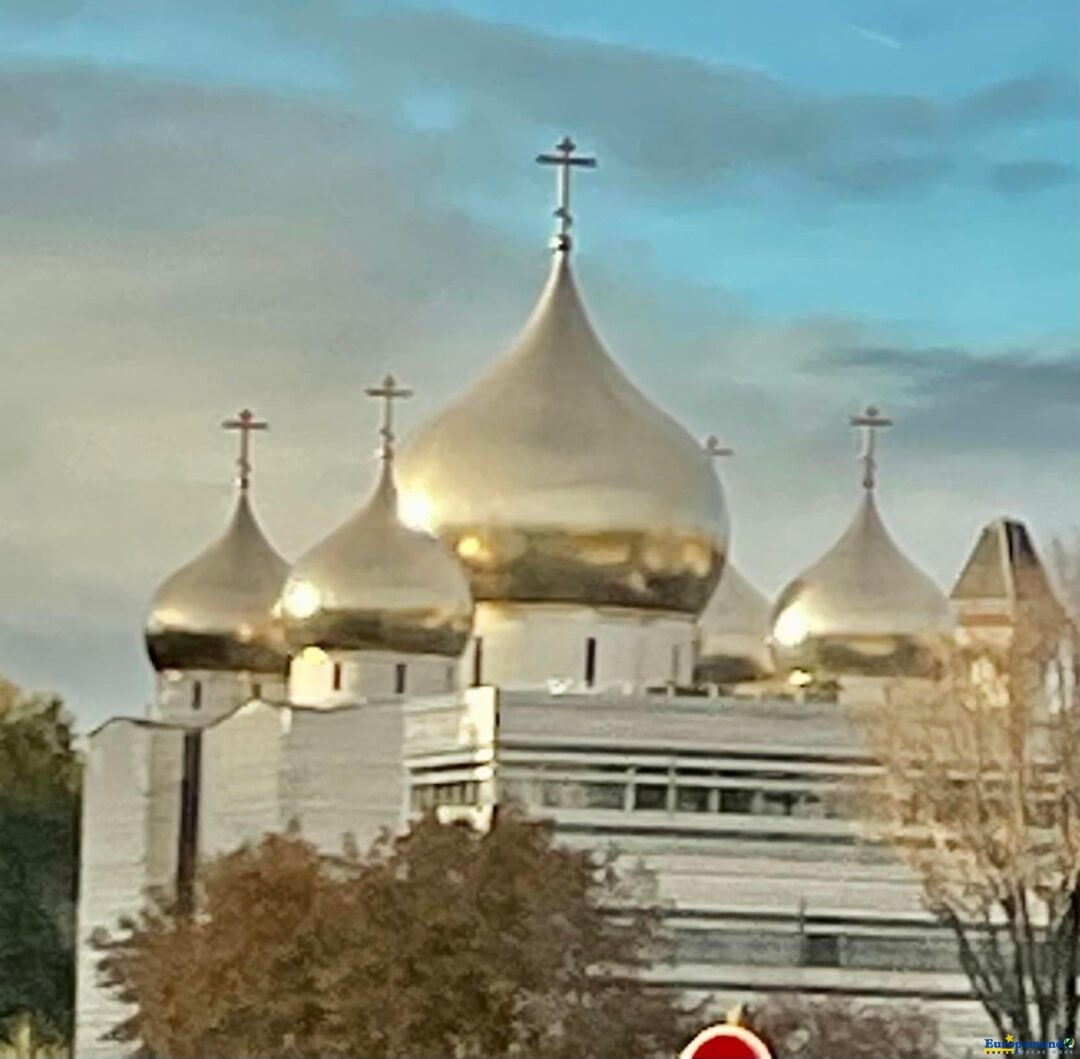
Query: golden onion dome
[555, 479]
[864, 609]
[217, 611]
[732, 632]
[376, 584]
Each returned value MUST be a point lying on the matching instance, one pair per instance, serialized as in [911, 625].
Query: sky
[799, 209]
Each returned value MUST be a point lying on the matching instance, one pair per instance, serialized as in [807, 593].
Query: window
[399, 679]
[188, 839]
[650, 796]
[478, 661]
[604, 795]
[337, 676]
[812, 805]
[736, 800]
[463, 792]
[196, 695]
[778, 803]
[676, 667]
[692, 799]
[551, 794]
[423, 798]
[821, 950]
[590, 661]
[256, 690]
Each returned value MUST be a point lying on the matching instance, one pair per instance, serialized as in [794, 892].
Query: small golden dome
[555, 480]
[732, 632]
[863, 609]
[217, 611]
[375, 584]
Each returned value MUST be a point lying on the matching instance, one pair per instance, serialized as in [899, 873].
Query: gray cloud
[962, 400]
[690, 123]
[1013, 178]
[1019, 100]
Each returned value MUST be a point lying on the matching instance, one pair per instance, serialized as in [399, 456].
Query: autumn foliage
[444, 942]
[979, 792]
[798, 1027]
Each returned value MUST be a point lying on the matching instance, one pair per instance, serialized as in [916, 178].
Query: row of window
[464, 792]
[663, 797]
[589, 660]
[400, 683]
[653, 797]
[401, 671]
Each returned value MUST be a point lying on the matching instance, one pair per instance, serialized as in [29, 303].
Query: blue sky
[799, 208]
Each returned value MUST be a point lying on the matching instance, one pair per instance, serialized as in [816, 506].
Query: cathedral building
[535, 605]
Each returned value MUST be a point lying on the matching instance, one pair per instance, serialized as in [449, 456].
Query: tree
[797, 1027]
[979, 791]
[446, 941]
[39, 811]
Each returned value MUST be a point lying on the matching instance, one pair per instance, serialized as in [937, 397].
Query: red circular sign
[726, 1042]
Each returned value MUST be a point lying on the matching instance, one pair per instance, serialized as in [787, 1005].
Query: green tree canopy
[444, 942]
[39, 783]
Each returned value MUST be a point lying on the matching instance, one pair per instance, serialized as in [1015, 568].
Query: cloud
[961, 400]
[42, 12]
[1019, 100]
[693, 124]
[1014, 178]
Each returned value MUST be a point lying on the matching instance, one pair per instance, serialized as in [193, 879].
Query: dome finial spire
[245, 422]
[563, 159]
[714, 447]
[388, 392]
[870, 421]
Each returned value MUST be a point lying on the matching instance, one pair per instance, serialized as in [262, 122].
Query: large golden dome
[862, 609]
[555, 480]
[217, 611]
[375, 584]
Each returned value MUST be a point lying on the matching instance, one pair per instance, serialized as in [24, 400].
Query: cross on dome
[388, 392]
[245, 422]
[714, 447]
[563, 159]
[870, 421]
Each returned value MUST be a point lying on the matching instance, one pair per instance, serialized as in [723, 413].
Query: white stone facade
[551, 645]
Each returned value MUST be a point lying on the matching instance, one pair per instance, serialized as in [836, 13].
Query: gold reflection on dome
[313, 656]
[864, 609]
[416, 510]
[217, 611]
[579, 488]
[376, 584]
[791, 626]
[300, 599]
[470, 547]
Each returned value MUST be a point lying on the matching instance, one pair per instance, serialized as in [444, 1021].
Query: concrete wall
[131, 807]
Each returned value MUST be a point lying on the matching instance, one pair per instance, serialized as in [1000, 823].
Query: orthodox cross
[245, 422]
[388, 392]
[870, 421]
[563, 161]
